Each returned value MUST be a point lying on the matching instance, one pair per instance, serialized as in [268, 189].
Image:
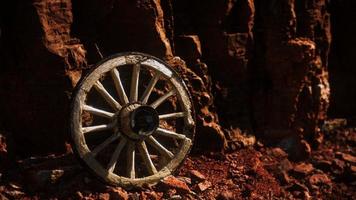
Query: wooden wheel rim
[90, 81]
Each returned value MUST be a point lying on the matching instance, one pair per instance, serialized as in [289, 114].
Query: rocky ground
[259, 172]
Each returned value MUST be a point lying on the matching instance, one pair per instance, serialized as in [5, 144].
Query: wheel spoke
[122, 106]
[109, 99]
[168, 133]
[119, 87]
[160, 100]
[98, 112]
[116, 154]
[172, 115]
[134, 82]
[106, 142]
[102, 127]
[146, 158]
[131, 160]
[160, 148]
[151, 85]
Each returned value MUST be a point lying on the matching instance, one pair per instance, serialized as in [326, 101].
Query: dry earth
[259, 172]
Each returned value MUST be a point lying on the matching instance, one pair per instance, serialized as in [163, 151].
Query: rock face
[40, 63]
[252, 66]
[291, 92]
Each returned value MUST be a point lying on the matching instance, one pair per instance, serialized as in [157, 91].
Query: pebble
[303, 169]
[173, 182]
[204, 185]
[348, 158]
[318, 179]
[279, 153]
[176, 197]
[196, 175]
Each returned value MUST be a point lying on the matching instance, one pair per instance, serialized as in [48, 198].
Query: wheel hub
[138, 121]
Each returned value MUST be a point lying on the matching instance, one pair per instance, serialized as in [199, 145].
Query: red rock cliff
[252, 66]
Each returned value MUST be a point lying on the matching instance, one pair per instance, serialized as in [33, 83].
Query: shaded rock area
[253, 67]
[291, 93]
[251, 173]
[341, 61]
[40, 64]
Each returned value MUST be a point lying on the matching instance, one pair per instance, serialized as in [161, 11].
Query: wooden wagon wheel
[121, 124]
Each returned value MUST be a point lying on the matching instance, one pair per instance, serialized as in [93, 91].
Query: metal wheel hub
[138, 121]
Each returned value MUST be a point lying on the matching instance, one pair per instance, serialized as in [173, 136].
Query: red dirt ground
[252, 173]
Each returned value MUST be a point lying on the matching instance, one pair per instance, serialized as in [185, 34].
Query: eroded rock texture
[40, 63]
[252, 66]
[224, 29]
[291, 89]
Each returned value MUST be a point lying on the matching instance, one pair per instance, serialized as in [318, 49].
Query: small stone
[348, 158]
[318, 179]
[303, 169]
[196, 175]
[104, 196]
[79, 195]
[226, 195]
[204, 185]
[176, 197]
[117, 193]
[171, 182]
[279, 153]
